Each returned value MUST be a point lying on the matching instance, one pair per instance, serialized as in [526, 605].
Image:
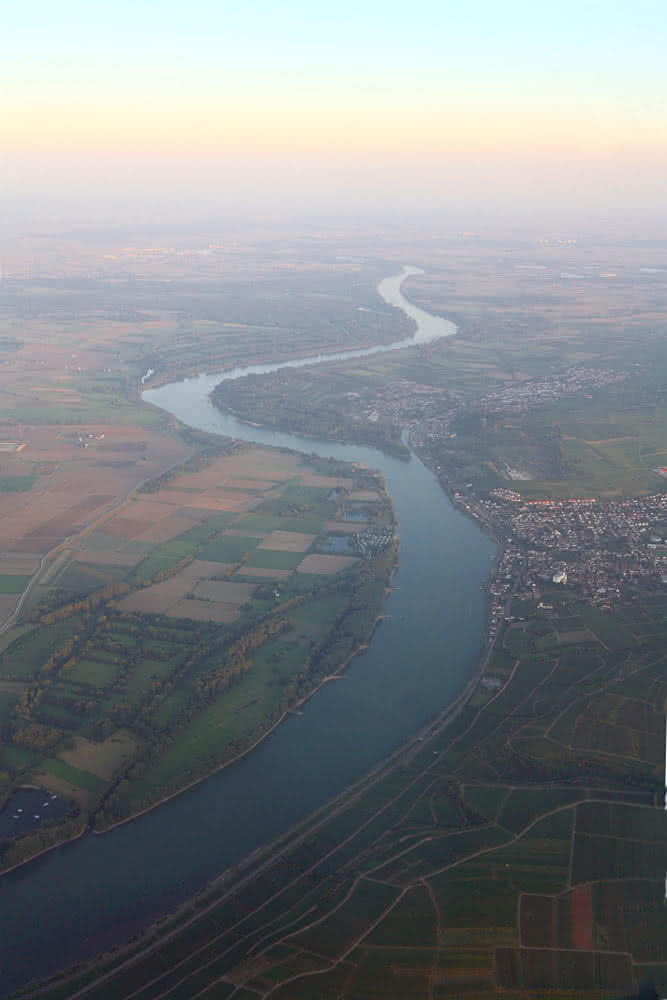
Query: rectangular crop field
[326, 564]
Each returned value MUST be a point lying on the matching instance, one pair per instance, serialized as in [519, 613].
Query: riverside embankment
[97, 891]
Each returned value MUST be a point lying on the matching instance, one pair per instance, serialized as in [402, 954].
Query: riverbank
[230, 882]
[421, 657]
[335, 675]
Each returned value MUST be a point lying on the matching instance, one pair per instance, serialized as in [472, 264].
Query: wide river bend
[95, 892]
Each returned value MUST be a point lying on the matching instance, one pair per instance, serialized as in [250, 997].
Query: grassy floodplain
[172, 637]
[505, 848]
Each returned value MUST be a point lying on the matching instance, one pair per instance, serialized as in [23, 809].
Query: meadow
[471, 864]
[165, 641]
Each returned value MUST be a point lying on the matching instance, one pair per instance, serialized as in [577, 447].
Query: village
[599, 549]
[430, 412]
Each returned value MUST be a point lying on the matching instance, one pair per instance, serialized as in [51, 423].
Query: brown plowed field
[581, 902]
[537, 921]
[325, 482]
[109, 558]
[154, 509]
[252, 468]
[126, 527]
[325, 564]
[287, 541]
[39, 521]
[224, 502]
[205, 611]
[202, 569]
[168, 528]
[157, 598]
[160, 502]
[240, 483]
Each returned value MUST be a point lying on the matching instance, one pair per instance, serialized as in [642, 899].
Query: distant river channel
[97, 891]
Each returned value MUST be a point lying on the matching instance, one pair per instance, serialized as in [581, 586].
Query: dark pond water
[28, 809]
[354, 515]
[340, 544]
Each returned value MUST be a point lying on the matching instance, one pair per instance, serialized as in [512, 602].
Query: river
[97, 891]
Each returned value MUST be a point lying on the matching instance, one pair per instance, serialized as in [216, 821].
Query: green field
[74, 775]
[270, 522]
[273, 559]
[229, 549]
[427, 872]
[86, 667]
[16, 484]
[164, 557]
[243, 710]
[94, 672]
[11, 583]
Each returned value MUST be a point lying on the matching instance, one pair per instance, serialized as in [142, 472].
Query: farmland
[501, 849]
[178, 630]
[520, 328]
[517, 844]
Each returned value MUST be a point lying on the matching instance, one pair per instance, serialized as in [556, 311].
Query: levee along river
[97, 891]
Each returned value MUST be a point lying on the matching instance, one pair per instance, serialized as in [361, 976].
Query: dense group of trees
[86, 604]
[295, 400]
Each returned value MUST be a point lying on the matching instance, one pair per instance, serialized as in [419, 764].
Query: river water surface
[98, 890]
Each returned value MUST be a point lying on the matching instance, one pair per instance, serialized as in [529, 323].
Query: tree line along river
[95, 892]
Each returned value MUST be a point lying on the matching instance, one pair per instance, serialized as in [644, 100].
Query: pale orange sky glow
[368, 104]
[167, 125]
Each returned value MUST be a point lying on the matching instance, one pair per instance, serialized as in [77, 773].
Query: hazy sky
[270, 100]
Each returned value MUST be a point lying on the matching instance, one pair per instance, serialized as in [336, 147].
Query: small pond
[340, 544]
[354, 515]
[29, 808]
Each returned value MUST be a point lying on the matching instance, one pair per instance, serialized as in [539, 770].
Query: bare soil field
[126, 527]
[256, 467]
[225, 502]
[310, 478]
[202, 569]
[325, 564]
[206, 611]
[264, 574]
[222, 599]
[157, 505]
[287, 541]
[168, 528]
[161, 502]
[581, 902]
[246, 484]
[74, 485]
[345, 527]
[157, 598]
